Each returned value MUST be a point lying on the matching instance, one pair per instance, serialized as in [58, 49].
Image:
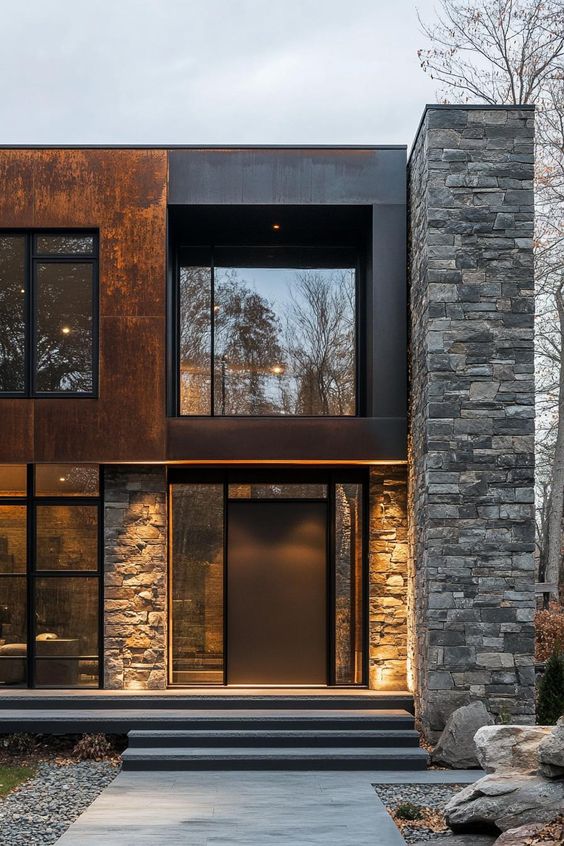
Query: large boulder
[551, 752]
[506, 800]
[518, 836]
[456, 746]
[507, 748]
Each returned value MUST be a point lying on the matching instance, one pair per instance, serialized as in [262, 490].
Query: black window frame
[31, 501]
[31, 259]
[319, 256]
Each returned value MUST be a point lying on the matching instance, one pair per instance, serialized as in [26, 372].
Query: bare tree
[512, 52]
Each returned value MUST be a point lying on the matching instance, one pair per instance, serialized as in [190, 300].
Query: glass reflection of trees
[62, 295]
[283, 341]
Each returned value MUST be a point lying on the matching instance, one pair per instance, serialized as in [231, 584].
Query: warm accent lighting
[62, 479]
[276, 226]
[278, 369]
[65, 330]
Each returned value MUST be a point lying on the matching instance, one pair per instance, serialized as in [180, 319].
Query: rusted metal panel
[281, 439]
[121, 193]
[16, 194]
[16, 431]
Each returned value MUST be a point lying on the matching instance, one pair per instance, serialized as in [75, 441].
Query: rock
[509, 748]
[463, 840]
[551, 752]
[456, 744]
[518, 836]
[506, 800]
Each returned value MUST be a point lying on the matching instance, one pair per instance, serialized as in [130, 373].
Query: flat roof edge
[218, 147]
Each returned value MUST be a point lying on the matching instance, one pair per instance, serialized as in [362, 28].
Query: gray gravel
[41, 810]
[428, 795]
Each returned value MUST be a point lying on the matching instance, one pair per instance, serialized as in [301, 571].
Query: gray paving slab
[237, 809]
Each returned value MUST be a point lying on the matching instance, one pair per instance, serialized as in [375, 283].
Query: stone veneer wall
[135, 577]
[388, 554]
[472, 411]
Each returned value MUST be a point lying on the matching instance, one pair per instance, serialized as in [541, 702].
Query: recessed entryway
[267, 578]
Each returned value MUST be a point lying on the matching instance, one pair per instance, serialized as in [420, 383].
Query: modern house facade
[267, 416]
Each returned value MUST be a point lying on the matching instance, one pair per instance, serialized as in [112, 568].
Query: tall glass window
[267, 339]
[49, 576]
[48, 314]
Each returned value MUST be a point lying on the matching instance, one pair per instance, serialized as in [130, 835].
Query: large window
[48, 314]
[49, 576]
[266, 333]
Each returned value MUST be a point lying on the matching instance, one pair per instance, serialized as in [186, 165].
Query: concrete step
[147, 701]
[287, 758]
[247, 737]
[120, 720]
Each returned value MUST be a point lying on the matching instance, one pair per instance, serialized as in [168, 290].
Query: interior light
[22, 290]
[276, 226]
[66, 330]
[62, 479]
[277, 368]
[216, 308]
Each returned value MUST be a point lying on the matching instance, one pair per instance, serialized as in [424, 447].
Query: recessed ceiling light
[62, 479]
[65, 330]
[276, 226]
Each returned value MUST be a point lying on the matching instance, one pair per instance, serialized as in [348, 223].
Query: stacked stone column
[472, 411]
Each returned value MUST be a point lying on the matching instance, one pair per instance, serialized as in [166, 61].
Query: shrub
[550, 704]
[93, 747]
[20, 744]
[549, 630]
[409, 811]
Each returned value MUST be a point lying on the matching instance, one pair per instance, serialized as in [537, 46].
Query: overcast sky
[211, 71]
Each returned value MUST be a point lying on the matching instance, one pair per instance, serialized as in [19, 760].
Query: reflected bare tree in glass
[195, 340]
[320, 338]
[247, 348]
[12, 299]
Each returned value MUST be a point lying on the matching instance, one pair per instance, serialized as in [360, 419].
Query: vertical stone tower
[472, 410]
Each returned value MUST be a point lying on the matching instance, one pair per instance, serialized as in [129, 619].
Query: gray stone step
[121, 720]
[323, 699]
[269, 737]
[286, 758]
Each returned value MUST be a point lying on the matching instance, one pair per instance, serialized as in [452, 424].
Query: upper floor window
[48, 313]
[262, 332]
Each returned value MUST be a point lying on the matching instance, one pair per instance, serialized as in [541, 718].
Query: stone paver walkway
[237, 809]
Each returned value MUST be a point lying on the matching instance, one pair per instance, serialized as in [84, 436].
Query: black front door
[277, 593]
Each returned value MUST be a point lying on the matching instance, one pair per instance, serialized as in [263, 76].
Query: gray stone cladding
[472, 412]
[135, 577]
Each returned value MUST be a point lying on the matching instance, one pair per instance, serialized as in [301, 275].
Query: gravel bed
[427, 795]
[41, 810]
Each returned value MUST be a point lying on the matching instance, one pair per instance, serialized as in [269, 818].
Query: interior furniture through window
[48, 313]
[50, 633]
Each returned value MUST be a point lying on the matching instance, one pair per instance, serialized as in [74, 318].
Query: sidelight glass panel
[67, 537]
[13, 630]
[66, 642]
[66, 479]
[348, 584]
[284, 341]
[195, 340]
[13, 479]
[12, 313]
[197, 584]
[64, 244]
[13, 538]
[63, 349]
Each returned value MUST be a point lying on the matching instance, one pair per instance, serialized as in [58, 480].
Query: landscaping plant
[550, 704]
